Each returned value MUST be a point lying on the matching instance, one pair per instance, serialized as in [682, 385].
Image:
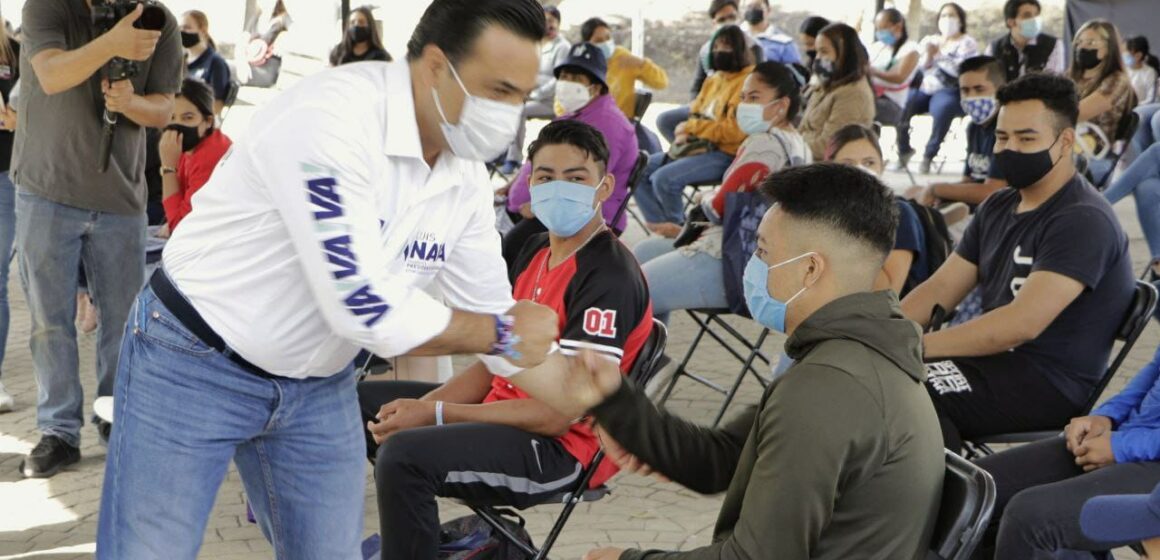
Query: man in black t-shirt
[979, 78]
[1053, 266]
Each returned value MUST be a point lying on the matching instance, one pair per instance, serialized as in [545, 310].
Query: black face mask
[823, 69]
[754, 16]
[189, 40]
[359, 33]
[1022, 169]
[1087, 59]
[811, 54]
[189, 136]
[725, 62]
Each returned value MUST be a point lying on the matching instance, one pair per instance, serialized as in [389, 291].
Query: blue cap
[1122, 518]
[587, 57]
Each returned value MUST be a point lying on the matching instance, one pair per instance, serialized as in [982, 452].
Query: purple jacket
[603, 114]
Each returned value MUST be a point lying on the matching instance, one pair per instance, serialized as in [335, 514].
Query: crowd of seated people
[1038, 283]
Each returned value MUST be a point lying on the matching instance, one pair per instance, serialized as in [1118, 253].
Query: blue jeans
[1148, 131]
[51, 240]
[1142, 179]
[659, 194]
[678, 281]
[7, 233]
[943, 106]
[667, 121]
[184, 411]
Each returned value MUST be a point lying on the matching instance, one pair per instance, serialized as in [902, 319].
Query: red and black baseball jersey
[602, 301]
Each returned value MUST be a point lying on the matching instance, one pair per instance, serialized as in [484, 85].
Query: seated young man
[1043, 486]
[979, 78]
[842, 457]
[1055, 274]
[478, 437]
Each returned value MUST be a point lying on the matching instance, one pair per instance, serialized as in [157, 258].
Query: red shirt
[193, 171]
[602, 301]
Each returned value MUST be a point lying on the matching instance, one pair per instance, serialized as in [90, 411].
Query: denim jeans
[943, 106]
[659, 194]
[1148, 131]
[184, 411]
[51, 240]
[679, 281]
[667, 121]
[1142, 179]
[7, 233]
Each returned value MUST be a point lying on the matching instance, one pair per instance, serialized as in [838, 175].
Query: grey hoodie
[841, 459]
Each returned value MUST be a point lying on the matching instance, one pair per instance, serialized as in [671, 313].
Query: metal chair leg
[745, 370]
[491, 517]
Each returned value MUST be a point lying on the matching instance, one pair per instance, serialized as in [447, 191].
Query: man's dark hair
[853, 61]
[199, 94]
[718, 5]
[574, 133]
[780, 77]
[589, 27]
[838, 197]
[554, 11]
[813, 25]
[995, 71]
[454, 25]
[1011, 8]
[1056, 92]
[735, 37]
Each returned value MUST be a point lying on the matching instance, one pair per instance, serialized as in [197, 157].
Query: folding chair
[1125, 130]
[696, 187]
[968, 500]
[1143, 304]
[231, 97]
[646, 365]
[749, 353]
[633, 178]
[877, 128]
[640, 105]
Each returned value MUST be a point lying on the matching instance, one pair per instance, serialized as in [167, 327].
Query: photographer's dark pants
[1041, 492]
[483, 464]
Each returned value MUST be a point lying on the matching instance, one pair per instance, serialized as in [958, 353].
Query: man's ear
[815, 267]
[431, 63]
[604, 190]
[1067, 141]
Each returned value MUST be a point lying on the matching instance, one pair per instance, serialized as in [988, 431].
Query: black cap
[587, 57]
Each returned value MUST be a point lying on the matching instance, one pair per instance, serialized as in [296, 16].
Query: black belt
[189, 317]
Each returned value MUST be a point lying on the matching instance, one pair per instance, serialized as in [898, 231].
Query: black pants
[997, 394]
[483, 464]
[513, 242]
[1041, 493]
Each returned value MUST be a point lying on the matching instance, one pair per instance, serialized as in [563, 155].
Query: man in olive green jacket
[843, 457]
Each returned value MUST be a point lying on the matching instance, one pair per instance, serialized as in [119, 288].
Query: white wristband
[438, 413]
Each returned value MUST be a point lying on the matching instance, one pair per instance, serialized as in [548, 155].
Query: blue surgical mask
[750, 118]
[1030, 28]
[563, 207]
[764, 308]
[979, 109]
[607, 47]
[886, 37]
[1129, 60]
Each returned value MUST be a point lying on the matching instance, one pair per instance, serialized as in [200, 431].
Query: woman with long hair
[1143, 68]
[1105, 90]
[893, 64]
[842, 94]
[202, 59]
[360, 41]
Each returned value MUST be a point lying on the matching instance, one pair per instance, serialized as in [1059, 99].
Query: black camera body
[106, 14]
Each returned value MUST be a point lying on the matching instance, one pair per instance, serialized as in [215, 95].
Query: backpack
[939, 243]
[472, 538]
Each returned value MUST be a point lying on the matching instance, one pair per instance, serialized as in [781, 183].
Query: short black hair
[718, 5]
[813, 25]
[958, 10]
[780, 77]
[838, 197]
[454, 25]
[589, 27]
[572, 132]
[1056, 92]
[199, 94]
[995, 71]
[1011, 8]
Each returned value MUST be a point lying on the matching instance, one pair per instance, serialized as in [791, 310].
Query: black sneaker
[103, 431]
[48, 457]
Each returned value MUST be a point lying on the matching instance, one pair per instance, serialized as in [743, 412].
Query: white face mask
[486, 127]
[571, 95]
[948, 26]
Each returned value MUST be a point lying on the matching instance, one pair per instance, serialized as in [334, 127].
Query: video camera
[106, 14]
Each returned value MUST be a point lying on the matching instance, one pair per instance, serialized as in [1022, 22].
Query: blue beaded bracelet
[505, 339]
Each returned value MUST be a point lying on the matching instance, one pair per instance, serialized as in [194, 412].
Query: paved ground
[56, 518]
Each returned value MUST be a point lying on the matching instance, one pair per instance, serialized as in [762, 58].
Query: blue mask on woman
[886, 37]
[764, 308]
[563, 207]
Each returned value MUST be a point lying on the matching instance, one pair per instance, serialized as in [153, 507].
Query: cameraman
[66, 208]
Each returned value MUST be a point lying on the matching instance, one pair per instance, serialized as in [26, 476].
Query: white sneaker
[7, 403]
[103, 408]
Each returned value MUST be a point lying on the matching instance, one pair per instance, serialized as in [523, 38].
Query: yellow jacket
[622, 79]
[828, 111]
[713, 114]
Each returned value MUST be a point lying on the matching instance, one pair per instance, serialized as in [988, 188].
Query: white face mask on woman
[486, 127]
[572, 96]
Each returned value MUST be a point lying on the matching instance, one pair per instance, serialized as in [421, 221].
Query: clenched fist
[536, 327]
